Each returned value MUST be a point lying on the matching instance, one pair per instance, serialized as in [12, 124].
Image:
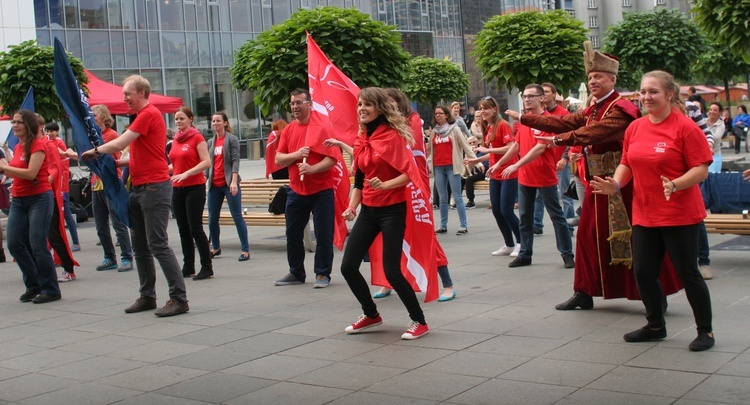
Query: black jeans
[681, 242]
[478, 176]
[187, 204]
[390, 220]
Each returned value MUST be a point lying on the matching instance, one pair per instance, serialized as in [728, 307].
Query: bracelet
[96, 150]
[353, 210]
[674, 186]
[618, 186]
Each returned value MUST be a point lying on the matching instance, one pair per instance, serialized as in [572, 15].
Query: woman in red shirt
[189, 156]
[666, 156]
[496, 143]
[379, 186]
[31, 211]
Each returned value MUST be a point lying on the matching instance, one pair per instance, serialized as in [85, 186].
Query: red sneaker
[416, 330]
[364, 322]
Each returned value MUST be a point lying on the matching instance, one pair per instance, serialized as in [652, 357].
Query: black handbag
[278, 203]
[571, 191]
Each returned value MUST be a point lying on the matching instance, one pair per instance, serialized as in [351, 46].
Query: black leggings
[187, 204]
[681, 242]
[372, 220]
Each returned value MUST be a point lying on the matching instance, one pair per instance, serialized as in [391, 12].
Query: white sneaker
[503, 251]
[516, 249]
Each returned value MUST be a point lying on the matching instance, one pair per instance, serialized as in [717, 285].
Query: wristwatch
[674, 187]
[96, 150]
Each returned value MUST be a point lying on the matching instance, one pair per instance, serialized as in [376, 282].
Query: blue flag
[28, 104]
[87, 134]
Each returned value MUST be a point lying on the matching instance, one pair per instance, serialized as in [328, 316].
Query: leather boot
[578, 300]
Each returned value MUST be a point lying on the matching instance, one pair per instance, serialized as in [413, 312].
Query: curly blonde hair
[393, 118]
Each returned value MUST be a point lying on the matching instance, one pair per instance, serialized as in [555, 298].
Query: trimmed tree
[275, 62]
[727, 22]
[719, 63]
[432, 80]
[28, 64]
[532, 47]
[654, 40]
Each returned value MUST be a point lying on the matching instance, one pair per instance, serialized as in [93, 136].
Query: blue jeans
[503, 194]
[444, 176]
[149, 216]
[551, 200]
[28, 223]
[298, 210]
[103, 213]
[568, 206]
[215, 201]
[70, 222]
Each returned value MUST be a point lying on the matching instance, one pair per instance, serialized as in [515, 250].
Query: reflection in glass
[96, 52]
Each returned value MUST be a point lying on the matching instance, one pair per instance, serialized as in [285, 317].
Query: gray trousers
[149, 217]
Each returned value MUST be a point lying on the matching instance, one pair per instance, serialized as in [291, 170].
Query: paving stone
[518, 345]
[399, 356]
[31, 385]
[426, 385]
[151, 377]
[332, 349]
[215, 387]
[94, 368]
[347, 375]
[497, 392]
[43, 359]
[214, 358]
[161, 330]
[723, 389]
[361, 397]
[152, 398]
[155, 352]
[475, 364]
[654, 382]
[277, 367]
[558, 372]
[739, 366]
[83, 394]
[588, 396]
[290, 394]
[263, 323]
[7, 373]
[596, 352]
[270, 342]
[681, 360]
[215, 336]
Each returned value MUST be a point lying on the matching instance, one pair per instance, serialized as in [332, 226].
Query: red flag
[334, 102]
[333, 94]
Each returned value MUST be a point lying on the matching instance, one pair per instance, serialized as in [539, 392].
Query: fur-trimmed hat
[596, 61]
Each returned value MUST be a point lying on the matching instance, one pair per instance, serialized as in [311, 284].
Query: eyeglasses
[298, 103]
[16, 122]
[530, 96]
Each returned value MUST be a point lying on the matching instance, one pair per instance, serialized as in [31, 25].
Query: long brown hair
[490, 102]
[392, 116]
[31, 124]
[228, 126]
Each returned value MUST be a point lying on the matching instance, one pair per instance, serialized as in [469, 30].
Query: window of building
[592, 3]
[626, 3]
[593, 21]
[305, 4]
[571, 11]
[595, 41]
[661, 2]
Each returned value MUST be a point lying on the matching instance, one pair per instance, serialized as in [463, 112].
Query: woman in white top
[717, 127]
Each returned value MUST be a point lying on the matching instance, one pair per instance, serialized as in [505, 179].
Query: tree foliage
[275, 62]
[432, 80]
[661, 39]
[727, 22]
[532, 47]
[719, 63]
[28, 64]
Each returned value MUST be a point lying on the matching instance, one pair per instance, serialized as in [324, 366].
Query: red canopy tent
[101, 92]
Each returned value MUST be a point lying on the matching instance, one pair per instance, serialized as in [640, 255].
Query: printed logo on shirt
[439, 140]
[660, 147]
[218, 150]
[185, 147]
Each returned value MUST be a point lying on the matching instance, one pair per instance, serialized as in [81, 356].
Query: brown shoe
[172, 308]
[141, 304]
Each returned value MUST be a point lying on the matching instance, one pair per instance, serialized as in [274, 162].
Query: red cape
[418, 262]
[55, 168]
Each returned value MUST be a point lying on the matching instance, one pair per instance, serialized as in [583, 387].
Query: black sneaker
[470, 205]
[702, 342]
[569, 261]
[520, 262]
[538, 231]
[288, 279]
[28, 295]
[645, 334]
[45, 298]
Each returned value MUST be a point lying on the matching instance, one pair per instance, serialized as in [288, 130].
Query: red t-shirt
[108, 135]
[418, 150]
[148, 159]
[669, 148]
[184, 156]
[294, 137]
[65, 163]
[503, 137]
[442, 150]
[542, 171]
[22, 187]
[219, 179]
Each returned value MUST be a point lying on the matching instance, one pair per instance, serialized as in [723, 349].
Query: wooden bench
[256, 195]
[737, 224]
[482, 185]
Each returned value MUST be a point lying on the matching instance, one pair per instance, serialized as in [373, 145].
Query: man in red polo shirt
[537, 173]
[150, 199]
[311, 182]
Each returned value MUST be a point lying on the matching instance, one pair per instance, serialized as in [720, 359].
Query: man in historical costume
[603, 251]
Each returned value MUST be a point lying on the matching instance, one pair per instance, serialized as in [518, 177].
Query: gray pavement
[245, 341]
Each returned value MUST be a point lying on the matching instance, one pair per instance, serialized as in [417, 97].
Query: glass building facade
[185, 47]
